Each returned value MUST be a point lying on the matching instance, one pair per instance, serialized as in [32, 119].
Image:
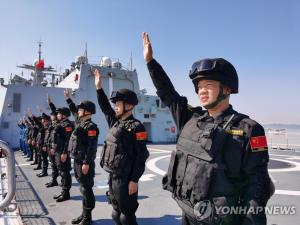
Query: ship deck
[36, 205]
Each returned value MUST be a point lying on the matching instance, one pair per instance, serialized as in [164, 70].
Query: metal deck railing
[8, 206]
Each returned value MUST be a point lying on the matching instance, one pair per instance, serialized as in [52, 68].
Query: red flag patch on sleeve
[92, 133]
[68, 129]
[258, 143]
[141, 136]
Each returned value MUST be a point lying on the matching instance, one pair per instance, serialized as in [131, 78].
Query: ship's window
[17, 102]
[5, 125]
[146, 115]
[153, 116]
[157, 102]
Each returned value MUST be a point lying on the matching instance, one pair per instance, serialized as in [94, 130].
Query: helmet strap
[85, 114]
[220, 98]
[124, 110]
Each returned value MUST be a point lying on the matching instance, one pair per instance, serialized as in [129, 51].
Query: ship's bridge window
[146, 115]
[17, 102]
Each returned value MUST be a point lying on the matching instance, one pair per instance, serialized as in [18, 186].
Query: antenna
[40, 50]
[130, 61]
[85, 53]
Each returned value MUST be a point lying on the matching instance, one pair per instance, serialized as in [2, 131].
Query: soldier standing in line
[83, 148]
[43, 123]
[48, 145]
[60, 137]
[124, 152]
[21, 126]
[26, 139]
[33, 136]
[221, 157]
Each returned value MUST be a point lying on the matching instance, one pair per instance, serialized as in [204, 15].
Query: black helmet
[125, 95]
[45, 116]
[64, 110]
[217, 69]
[88, 106]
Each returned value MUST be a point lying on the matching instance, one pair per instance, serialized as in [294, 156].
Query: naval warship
[33, 203]
[21, 93]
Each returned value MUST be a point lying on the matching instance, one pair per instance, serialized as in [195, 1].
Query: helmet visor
[202, 66]
[113, 94]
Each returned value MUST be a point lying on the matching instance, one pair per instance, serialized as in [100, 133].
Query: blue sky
[261, 38]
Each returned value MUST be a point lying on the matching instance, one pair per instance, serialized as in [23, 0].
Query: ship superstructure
[20, 94]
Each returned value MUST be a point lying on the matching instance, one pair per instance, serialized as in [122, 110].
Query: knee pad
[116, 216]
[82, 190]
[128, 219]
[62, 174]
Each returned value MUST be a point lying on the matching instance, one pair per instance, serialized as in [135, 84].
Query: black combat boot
[87, 217]
[33, 163]
[64, 196]
[78, 219]
[57, 196]
[53, 183]
[37, 168]
[42, 174]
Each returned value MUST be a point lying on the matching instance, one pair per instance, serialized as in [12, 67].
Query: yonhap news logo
[269, 210]
[204, 209]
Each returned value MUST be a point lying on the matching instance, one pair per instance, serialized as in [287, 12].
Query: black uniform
[60, 136]
[123, 156]
[33, 136]
[219, 161]
[83, 148]
[27, 138]
[49, 141]
[48, 145]
[41, 154]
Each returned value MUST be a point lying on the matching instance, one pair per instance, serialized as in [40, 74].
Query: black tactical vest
[78, 141]
[59, 137]
[115, 157]
[49, 135]
[196, 172]
[40, 137]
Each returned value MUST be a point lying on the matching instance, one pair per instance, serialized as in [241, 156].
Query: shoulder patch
[258, 143]
[68, 129]
[141, 136]
[92, 133]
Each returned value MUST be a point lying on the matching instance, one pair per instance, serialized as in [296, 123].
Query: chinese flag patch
[258, 143]
[141, 136]
[92, 133]
[68, 129]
